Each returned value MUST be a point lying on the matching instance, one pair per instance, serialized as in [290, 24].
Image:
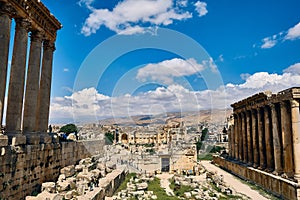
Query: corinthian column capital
[294, 103]
[37, 36]
[7, 9]
[23, 24]
[49, 45]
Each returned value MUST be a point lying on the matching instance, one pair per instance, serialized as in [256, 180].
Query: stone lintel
[39, 15]
[264, 99]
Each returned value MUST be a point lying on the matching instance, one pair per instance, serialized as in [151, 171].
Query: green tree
[204, 133]
[69, 128]
[109, 137]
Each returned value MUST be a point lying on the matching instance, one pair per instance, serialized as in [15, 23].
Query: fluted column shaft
[240, 138]
[45, 87]
[5, 24]
[17, 75]
[236, 135]
[276, 141]
[286, 140]
[296, 137]
[249, 138]
[254, 139]
[32, 84]
[230, 143]
[244, 132]
[268, 140]
[262, 159]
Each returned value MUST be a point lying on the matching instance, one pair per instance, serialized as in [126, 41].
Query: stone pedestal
[32, 138]
[3, 140]
[45, 138]
[15, 139]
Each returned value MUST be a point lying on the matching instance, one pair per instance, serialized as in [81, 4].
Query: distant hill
[189, 118]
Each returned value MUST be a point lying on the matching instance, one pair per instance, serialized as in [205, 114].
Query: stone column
[17, 76]
[32, 87]
[268, 140]
[5, 24]
[254, 139]
[240, 137]
[236, 135]
[244, 132]
[249, 138]
[262, 159]
[286, 140]
[296, 137]
[276, 141]
[230, 143]
[45, 88]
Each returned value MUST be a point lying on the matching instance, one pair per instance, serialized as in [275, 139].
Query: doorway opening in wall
[165, 164]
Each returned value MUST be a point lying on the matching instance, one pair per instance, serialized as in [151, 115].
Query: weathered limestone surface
[24, 168]
[280, 187]
[17, 77]
[5, 24]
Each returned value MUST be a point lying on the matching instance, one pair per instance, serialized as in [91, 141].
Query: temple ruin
[264, 144]
[29, 114]
[29, 156]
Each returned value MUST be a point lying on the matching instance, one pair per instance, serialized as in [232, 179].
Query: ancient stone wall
[24, 168]
[280, 187]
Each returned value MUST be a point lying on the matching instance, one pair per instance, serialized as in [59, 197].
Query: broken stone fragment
[68, 171]
[49, 187]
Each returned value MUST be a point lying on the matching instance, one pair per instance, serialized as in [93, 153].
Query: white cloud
[201, 8]
[221, 58]
[132, 16]
[268, 42]
[182, 3]
[167, 70]
[65, 69]
[293, 69]
[293, 33]
[90, 105]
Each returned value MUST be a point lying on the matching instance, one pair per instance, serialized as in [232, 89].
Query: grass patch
[179, 190]
[208, 156]
[260, 190]
[123, 185]
[158, 191]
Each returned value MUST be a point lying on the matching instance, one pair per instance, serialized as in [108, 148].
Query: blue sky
[247, 47]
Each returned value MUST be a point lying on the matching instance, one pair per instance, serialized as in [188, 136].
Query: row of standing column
[38, 83]
[268, 138]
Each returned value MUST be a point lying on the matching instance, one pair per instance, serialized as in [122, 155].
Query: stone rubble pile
[77, 180]
[136, 189]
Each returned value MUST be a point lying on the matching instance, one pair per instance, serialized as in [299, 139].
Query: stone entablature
[37, 14]
[264, 98]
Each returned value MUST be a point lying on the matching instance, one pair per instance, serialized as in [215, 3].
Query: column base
[3, 140]
[32, 138]
[297, 178]
[269, 170]
[16, 138]
[262, 167]
[45, 138]
[277, 173]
